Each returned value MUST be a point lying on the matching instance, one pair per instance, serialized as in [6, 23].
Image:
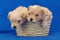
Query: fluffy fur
[17, 16]
[38, 13]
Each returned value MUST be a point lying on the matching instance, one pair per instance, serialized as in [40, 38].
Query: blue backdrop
[8, 5]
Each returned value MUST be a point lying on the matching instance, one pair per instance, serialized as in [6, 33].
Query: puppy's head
[35, 13]
[17, 16]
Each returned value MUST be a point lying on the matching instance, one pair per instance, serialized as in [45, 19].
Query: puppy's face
[34, 17]
[35, 14]
[16, 20]
[17, 17]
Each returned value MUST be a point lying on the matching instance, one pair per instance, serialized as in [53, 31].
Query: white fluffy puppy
[38, 13]
[17, 16]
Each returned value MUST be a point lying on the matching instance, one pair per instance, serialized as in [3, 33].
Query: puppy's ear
[9, 14]
[46, 11]
[24, 16]
[42, 12]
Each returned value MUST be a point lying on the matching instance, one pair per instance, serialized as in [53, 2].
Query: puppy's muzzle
[31, 19]
[14, 26]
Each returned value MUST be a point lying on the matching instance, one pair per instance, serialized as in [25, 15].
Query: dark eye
[37, 15]
[19, 21]
[29, 13]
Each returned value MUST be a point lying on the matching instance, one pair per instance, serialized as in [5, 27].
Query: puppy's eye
[29, 13]
[19, 21]
[37, 15]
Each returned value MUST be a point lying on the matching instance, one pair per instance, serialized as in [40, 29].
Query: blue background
[6, 33]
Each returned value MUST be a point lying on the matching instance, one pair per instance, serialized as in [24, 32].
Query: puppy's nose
[31, 19]
[14, 26]
[26, 20]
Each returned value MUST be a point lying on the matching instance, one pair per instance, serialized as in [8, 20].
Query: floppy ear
[41, 12]
[9, 14]
[24, 16]
[47, 12]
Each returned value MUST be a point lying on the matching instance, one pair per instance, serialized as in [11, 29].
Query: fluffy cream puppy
[17, 16]
[39, 14]
[35, 13]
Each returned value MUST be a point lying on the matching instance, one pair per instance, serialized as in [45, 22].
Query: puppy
[39, 14]
[17, 16]
[35, 13]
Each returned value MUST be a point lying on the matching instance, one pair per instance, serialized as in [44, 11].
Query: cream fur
[43, 13]
[17, 14]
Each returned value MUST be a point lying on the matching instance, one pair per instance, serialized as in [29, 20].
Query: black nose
[26, 20]
[31, 19]
[14, 26]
